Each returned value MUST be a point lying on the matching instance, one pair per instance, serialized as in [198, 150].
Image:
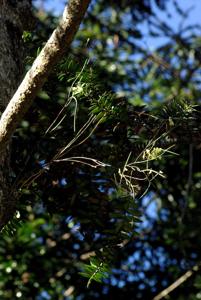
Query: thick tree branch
[55, 47]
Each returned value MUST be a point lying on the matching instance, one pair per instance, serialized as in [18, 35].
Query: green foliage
[13, 225]
[179, 109]
[96, 270]
[124, 177]
[86, 153]
[27, 35]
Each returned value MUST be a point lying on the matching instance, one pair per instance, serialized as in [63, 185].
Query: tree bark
[12, 14]
[55, 47]
[8, 197]
[15, 16]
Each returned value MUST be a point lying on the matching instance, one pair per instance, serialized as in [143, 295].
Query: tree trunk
[7, 196]
[15, 16]
[57, 45]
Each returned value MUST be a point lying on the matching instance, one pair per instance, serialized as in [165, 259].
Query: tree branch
[55, 47]
[177, 283]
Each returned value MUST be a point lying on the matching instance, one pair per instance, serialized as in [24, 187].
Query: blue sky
[171, 17]
[56, 7]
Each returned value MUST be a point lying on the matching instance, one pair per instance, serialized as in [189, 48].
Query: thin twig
[177, 283]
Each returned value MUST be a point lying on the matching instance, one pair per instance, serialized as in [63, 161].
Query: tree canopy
[107, 163]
